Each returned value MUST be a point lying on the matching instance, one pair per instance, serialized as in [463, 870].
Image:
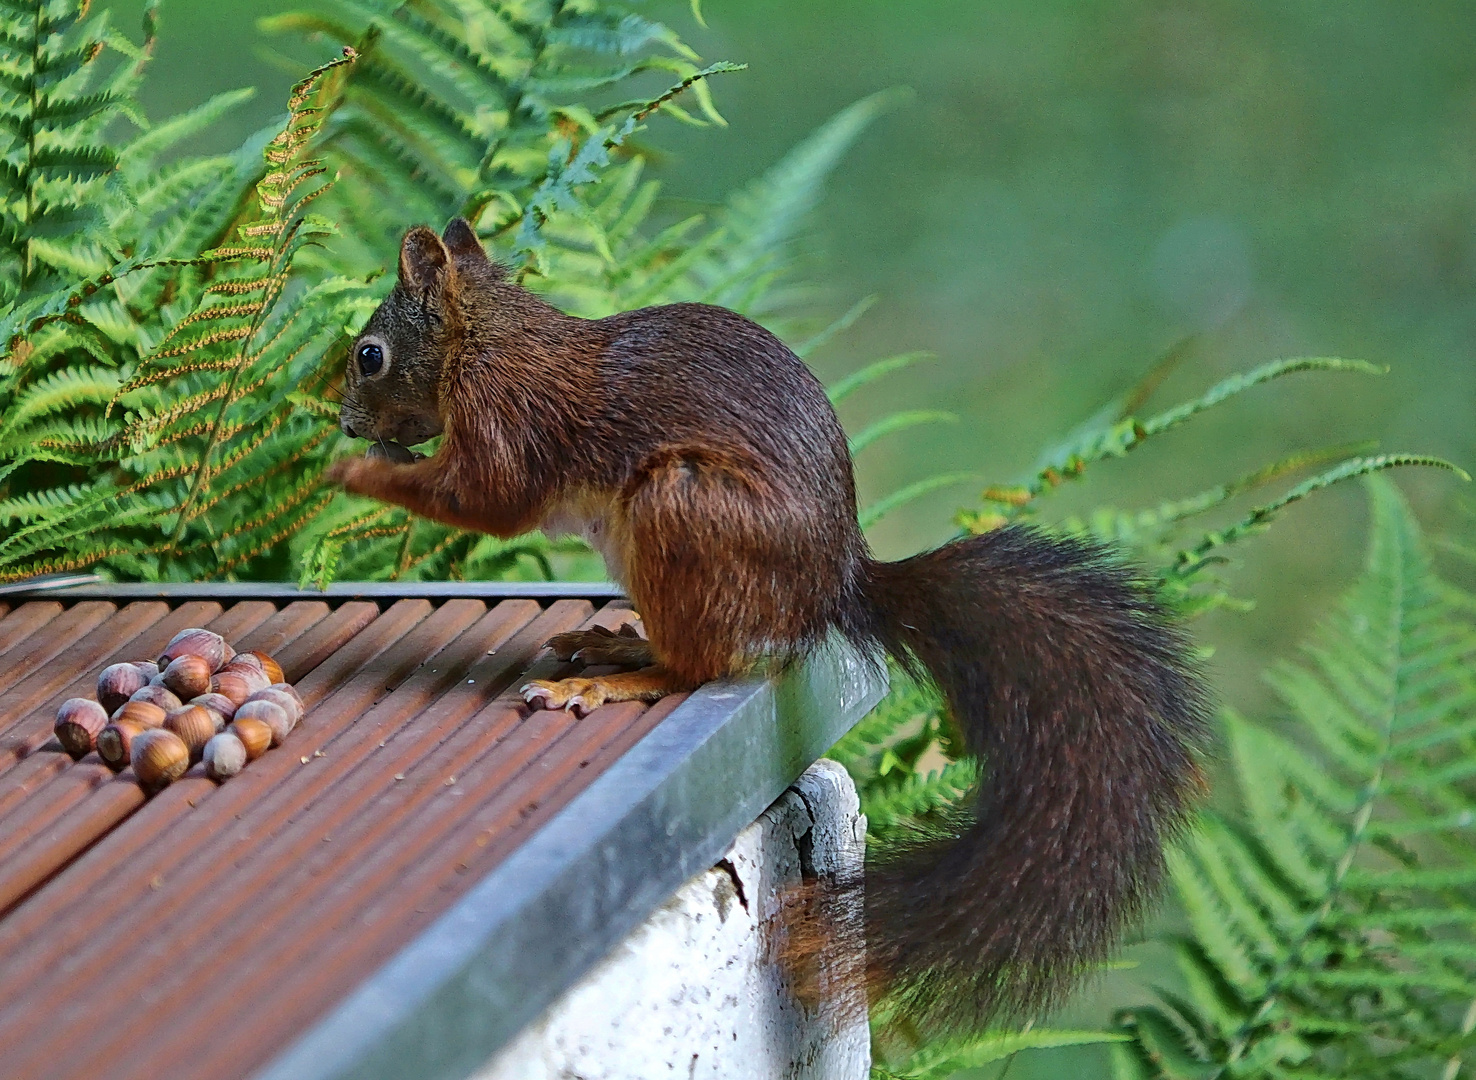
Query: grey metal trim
[46, 583]
[666, 810]
[338, 593]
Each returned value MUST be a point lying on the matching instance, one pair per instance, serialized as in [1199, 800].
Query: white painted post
[694, 992]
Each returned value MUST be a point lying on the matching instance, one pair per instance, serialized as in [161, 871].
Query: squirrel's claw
[564, 646]
[579, 696]
[598, 645]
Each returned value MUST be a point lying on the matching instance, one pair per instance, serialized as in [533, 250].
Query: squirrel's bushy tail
[1083, 705]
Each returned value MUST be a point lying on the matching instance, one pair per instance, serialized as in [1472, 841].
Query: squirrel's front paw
[340, 471]
[354, 473]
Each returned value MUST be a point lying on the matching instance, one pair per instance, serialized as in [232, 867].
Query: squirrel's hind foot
[583, 696]
[597, 645]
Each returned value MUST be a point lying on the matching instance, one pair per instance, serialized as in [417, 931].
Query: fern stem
[27, 264]
[403, 563]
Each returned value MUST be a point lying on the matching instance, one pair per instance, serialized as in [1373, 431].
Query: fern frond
[943, 1059]
[892, 423]
[203, 405]
[877, 369]
[1113, 433]
[1192, 560]
[1138, 527]
[569, 167]
[873, 513]
[917, 796]
[763, 219]
[1315, 945]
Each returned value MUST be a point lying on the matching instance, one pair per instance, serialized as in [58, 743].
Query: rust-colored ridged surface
[197, 932]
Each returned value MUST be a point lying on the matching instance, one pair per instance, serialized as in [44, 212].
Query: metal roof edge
[337, 593]
[528, 930]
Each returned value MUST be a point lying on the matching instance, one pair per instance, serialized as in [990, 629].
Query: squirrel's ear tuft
[425, 264]
[461, 240]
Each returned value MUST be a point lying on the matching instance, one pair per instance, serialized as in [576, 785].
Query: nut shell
[248, 659]
[78, 721]
[195, 724]
[116, 683]
[269, 713]
[115, 741]
[218, 703]
[148, 667]
[269, 666]
[254, 677]
[224, 756]
[159, 758]
[158, 694]
[255, 735]
[233, 685]
[143, 713]
[292, 705]
[290, 691]
[210, 647]
[188, 676]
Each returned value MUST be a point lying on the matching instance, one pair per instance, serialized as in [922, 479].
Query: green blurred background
[1074, 187]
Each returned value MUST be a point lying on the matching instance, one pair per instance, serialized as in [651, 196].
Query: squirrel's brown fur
[703, 460]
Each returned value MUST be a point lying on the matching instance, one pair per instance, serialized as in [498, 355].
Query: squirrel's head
[392, 388]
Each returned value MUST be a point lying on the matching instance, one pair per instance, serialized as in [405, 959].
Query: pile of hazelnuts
[200, 701]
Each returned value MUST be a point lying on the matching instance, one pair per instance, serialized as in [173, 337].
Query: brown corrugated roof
[196, 933]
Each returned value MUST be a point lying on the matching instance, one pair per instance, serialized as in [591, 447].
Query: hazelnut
[269, 713]
[210, 647]
[225, 756]
[254, 677]
[290, 704]
[147, 667]
[78, 721]
[117, 683]
[255, 736]
[231, 684]
[217, 703]
[248, 659]
[290, 691]
[143, 713]
[195, 724]
[115, 741]
[188, 676]
[269, 666]
[159, 758]
[159, 695]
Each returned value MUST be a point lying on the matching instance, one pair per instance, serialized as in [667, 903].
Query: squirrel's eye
[371, 359]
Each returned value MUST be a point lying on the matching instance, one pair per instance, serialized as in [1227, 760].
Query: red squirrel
[703, 460]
